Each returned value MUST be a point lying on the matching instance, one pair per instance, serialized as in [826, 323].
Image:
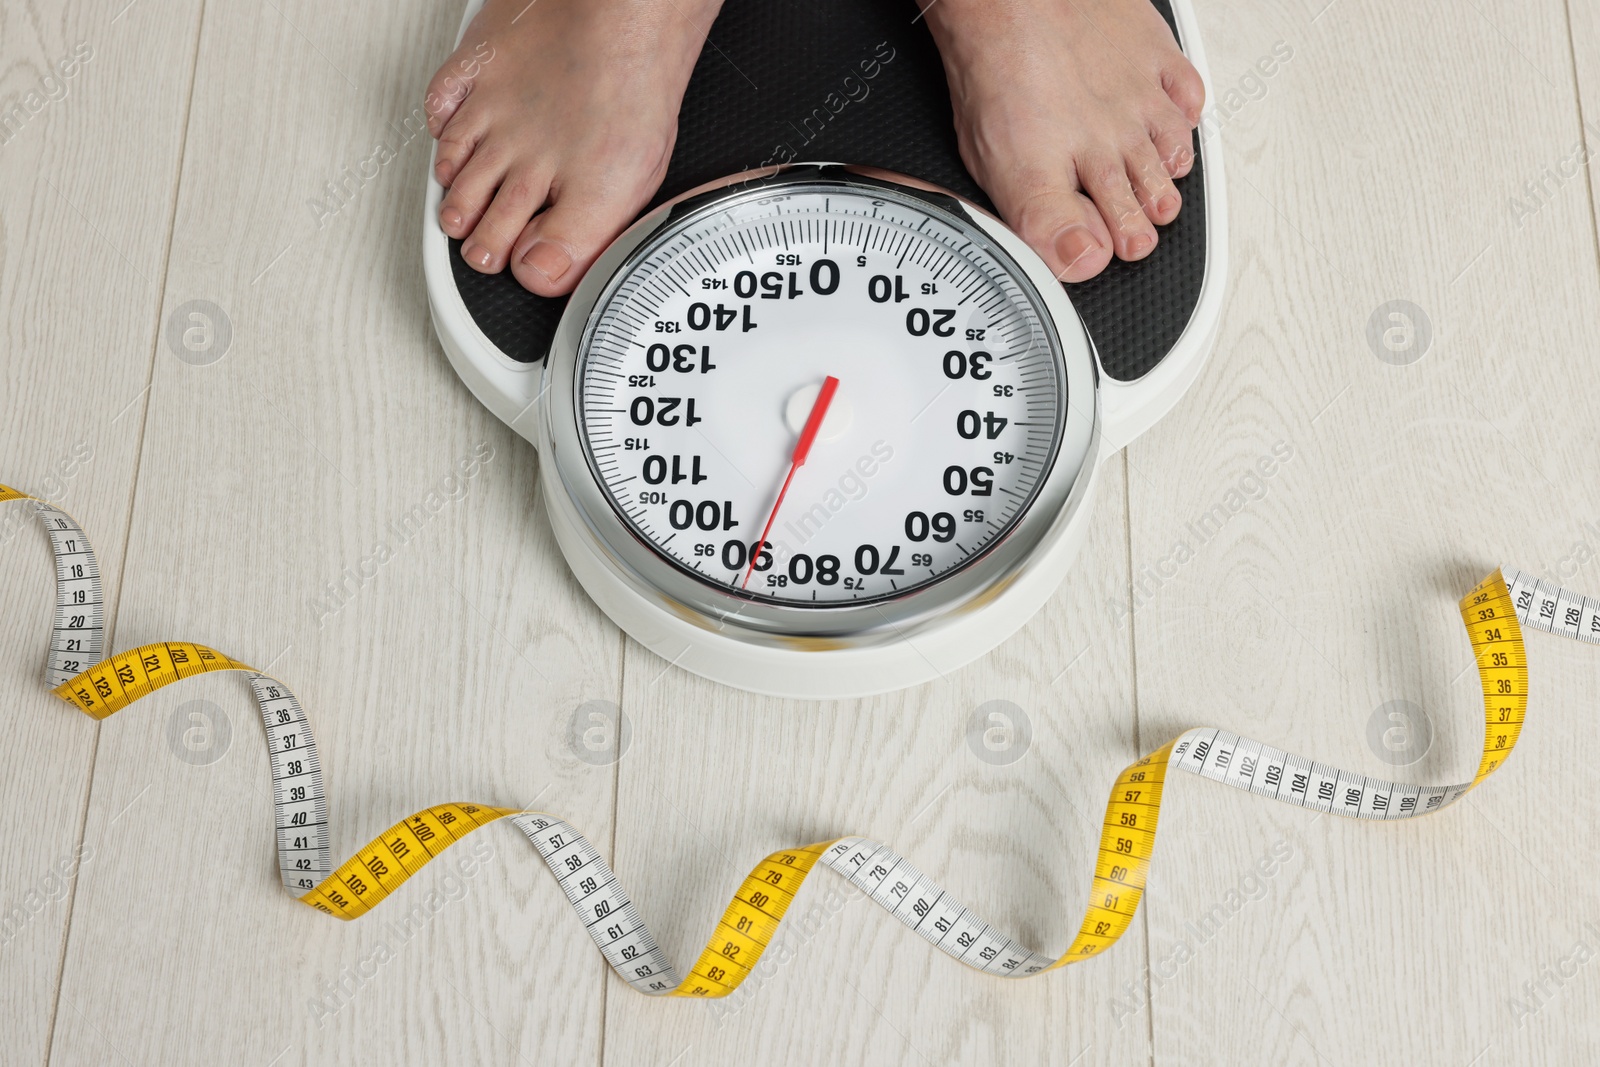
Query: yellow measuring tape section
[113, 684]
[395, 855]
[1491, 613]
[750, 923]
[367, 877]
[1127, 841]
[1492, 625]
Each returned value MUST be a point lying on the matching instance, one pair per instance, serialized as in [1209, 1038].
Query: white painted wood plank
[1572, 172]
[717, 779]
[1367, 925]
[1378, 164]
[447, 671]
[91, 124]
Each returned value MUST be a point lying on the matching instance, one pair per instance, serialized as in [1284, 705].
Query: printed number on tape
[1494, 614]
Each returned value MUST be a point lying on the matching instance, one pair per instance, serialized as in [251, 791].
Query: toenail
[548, 259]
[1166, 205]
[1139, 244]
[450, 218]
[477, 255]
[1073, 243]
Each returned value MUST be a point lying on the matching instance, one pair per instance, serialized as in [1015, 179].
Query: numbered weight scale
[821, 430]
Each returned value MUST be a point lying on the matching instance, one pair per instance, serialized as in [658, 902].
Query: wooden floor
[1428, 152]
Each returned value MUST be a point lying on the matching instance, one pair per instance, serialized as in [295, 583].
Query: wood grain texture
[1396, 153]
[718, 779]
[447, 670]
[1572, 171]
[1374, 168]
[91, 127]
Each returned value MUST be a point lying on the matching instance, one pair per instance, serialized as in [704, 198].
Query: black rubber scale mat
[765, 90]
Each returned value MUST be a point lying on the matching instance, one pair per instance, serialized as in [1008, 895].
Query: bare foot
[556, 120]
[1074, 116]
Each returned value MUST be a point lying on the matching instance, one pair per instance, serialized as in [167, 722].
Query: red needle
[802, 448]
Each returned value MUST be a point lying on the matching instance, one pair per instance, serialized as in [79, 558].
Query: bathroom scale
[819, 424]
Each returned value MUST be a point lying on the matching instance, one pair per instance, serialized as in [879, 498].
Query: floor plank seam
[1138, 743]
[1583, 129]
[616, 793]
[127, 534]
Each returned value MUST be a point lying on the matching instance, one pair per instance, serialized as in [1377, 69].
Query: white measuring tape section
[1493, 613]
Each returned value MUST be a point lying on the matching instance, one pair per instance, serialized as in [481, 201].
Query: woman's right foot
[556, 121]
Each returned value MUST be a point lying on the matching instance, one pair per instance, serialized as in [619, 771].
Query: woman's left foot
[1074, 116]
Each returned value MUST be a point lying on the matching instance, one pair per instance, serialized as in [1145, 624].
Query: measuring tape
[1493, 613]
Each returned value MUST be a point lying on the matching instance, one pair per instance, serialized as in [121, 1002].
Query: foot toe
[557, 247]
[1079, 252]
[457, 143]
[1157, 195]
[1174, 143]
[1061, 224]
[1183, 84]
[469, 195]
[444, 96]
[1106, 181]
[520, 195]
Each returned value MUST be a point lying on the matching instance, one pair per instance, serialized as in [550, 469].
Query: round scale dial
[710, 352]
